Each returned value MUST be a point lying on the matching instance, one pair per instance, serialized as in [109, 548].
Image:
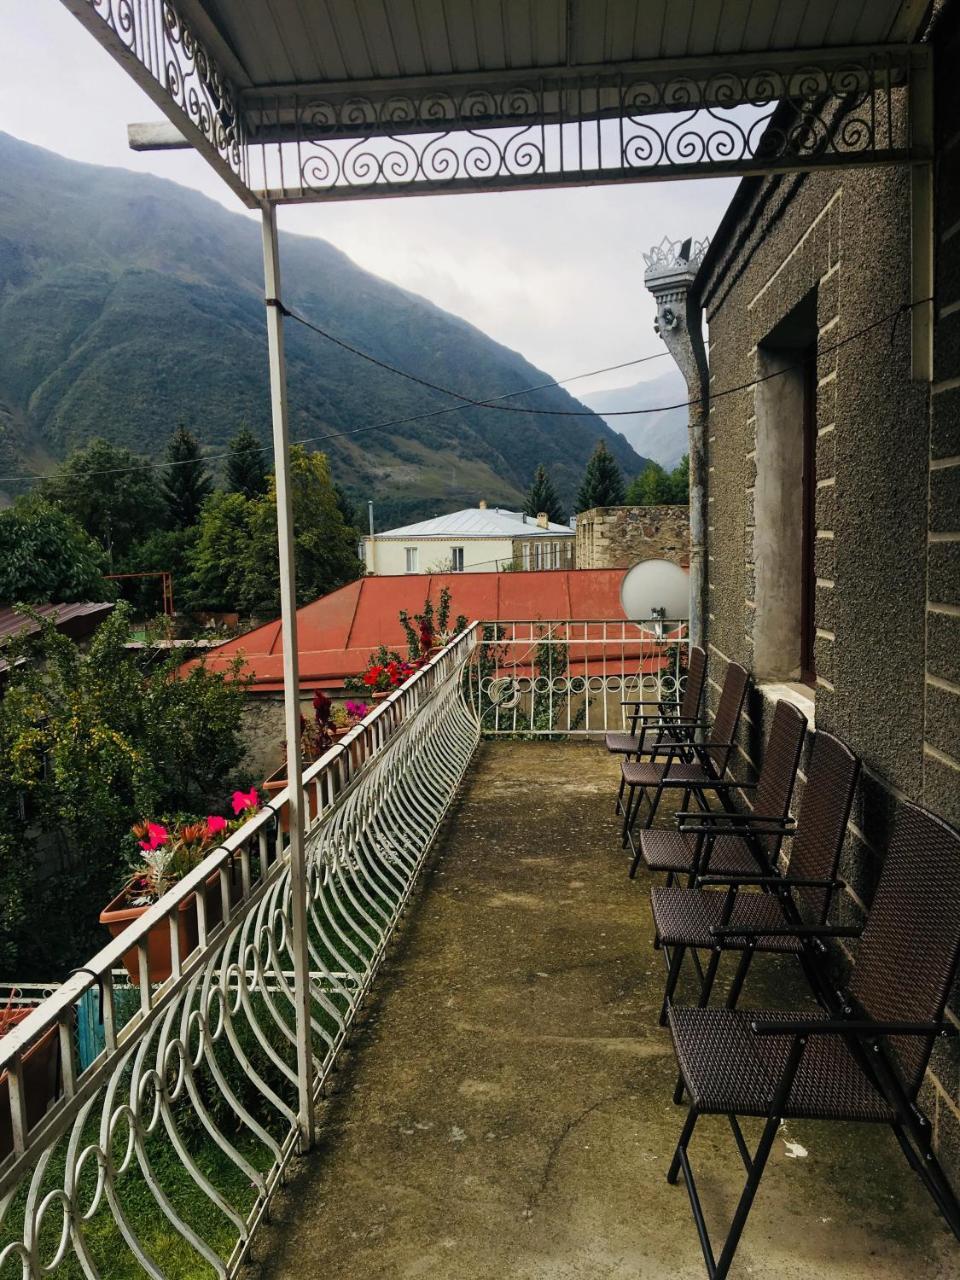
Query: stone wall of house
[886, 551]
[620, 537]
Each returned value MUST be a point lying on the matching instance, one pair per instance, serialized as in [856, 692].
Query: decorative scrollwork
[555, 130]
[166, 1150]
[169, 49]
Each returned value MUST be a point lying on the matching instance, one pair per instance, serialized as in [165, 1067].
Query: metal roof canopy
[294, 100]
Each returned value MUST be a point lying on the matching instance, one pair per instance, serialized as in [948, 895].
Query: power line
[493, 402]
[376, 426]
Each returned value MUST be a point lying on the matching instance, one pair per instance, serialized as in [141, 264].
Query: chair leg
[733, 995]
[618, 807]
[677, 953]
[685, 1136]
[746, 1198]
[709, 977]
[654, 804]
[634, 802]
[927, 1167]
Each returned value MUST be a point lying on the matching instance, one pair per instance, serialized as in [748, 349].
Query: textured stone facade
[620, 537]
[886, 521]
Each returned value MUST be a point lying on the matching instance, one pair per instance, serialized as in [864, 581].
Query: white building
[479, 539]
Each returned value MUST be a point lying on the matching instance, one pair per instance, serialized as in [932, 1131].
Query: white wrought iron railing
[548, 677]
[161, 1154]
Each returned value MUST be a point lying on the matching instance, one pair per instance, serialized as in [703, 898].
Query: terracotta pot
[277, 782]
[41, 1077]
[120, 912]
[379, 694]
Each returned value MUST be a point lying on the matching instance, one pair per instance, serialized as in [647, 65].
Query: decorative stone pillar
[671, 269]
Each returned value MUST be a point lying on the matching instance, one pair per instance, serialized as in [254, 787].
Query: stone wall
[620, 537]
[887, 567]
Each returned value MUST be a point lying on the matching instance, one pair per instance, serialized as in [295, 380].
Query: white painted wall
[479, 554]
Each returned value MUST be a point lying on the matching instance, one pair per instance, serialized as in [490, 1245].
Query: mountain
[129, 304]
[661, 436]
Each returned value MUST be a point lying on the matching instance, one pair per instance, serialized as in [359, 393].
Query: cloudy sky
[557, 275]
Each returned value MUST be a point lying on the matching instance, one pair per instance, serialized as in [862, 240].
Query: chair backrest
[911, 944]
[779, 769]
[822, 820]
[695, 680]
[725, 722]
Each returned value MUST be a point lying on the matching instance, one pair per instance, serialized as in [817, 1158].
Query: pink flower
[156, 836]
[215, 823]
[243, 800]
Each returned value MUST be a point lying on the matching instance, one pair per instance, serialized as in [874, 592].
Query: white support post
[291, 676]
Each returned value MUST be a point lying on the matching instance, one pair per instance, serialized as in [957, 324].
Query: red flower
[215, 823]
[156, 836]
[243, 800]
[372, 675]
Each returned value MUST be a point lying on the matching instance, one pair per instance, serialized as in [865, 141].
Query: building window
[538, 555]
[413, 559]
[456, 559]
[526, 555]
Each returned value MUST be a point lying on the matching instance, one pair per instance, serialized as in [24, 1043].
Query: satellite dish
[655, 589]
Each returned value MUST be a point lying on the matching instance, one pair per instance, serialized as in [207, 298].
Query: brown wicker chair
[702, 918]
[865, 1057]
[693, 767]
[670, 722]
[728, 842]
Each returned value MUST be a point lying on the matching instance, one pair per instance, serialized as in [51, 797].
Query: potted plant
[385, 672]
[429, 631]
[40, 1066]
[166, 854]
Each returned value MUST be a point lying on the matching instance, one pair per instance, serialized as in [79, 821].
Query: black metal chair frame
[696, 752]
[887, 938]
[668, 722]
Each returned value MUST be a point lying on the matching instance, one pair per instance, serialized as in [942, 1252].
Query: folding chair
[726, 841]
[694, 767]
[864, 1059]
[703, 918]
[670, 722]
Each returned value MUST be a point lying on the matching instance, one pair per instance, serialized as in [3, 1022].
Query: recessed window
[456, 559]
[538, 555]
[526, 555]
[413, 559]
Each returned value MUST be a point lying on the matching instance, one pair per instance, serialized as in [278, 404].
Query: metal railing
[548, 677]
[161, 1154]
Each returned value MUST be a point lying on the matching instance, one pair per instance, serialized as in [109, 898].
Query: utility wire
[893, 316]
[493, 403]
[376, 426]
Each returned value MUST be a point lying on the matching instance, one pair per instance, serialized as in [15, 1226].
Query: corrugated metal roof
[477, 522]
[273, 43]
[337, 633]
[75, 619]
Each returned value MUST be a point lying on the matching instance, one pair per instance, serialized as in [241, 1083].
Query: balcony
[505, 1104]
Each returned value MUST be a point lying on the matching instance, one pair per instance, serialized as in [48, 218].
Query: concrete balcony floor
[506, 1110]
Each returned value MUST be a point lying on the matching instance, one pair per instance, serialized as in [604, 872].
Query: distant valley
[129, 304]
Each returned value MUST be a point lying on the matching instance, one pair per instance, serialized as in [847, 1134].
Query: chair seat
[665, 850]
[684, 917]
[644, 773]
[628, 744]
[729, 1070]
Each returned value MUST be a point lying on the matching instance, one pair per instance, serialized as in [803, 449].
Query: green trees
[45, 555]
[111, 492]
[186, 483]
[655, 487]
[89, 744]
[234, 561]
[247, 465]
[602, 484]
[543, 497]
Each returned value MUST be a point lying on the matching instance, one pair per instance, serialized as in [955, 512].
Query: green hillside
[128, 304]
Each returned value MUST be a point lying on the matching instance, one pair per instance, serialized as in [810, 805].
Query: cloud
[556, 274]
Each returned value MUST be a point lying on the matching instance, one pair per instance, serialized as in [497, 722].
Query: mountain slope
[661, 435]
[128, 303]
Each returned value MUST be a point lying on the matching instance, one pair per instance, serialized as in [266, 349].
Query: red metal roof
[338, 632]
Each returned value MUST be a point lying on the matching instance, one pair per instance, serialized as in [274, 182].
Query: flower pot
[378, 695]
[277, 782]
[120, 912]
[41, 1077]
